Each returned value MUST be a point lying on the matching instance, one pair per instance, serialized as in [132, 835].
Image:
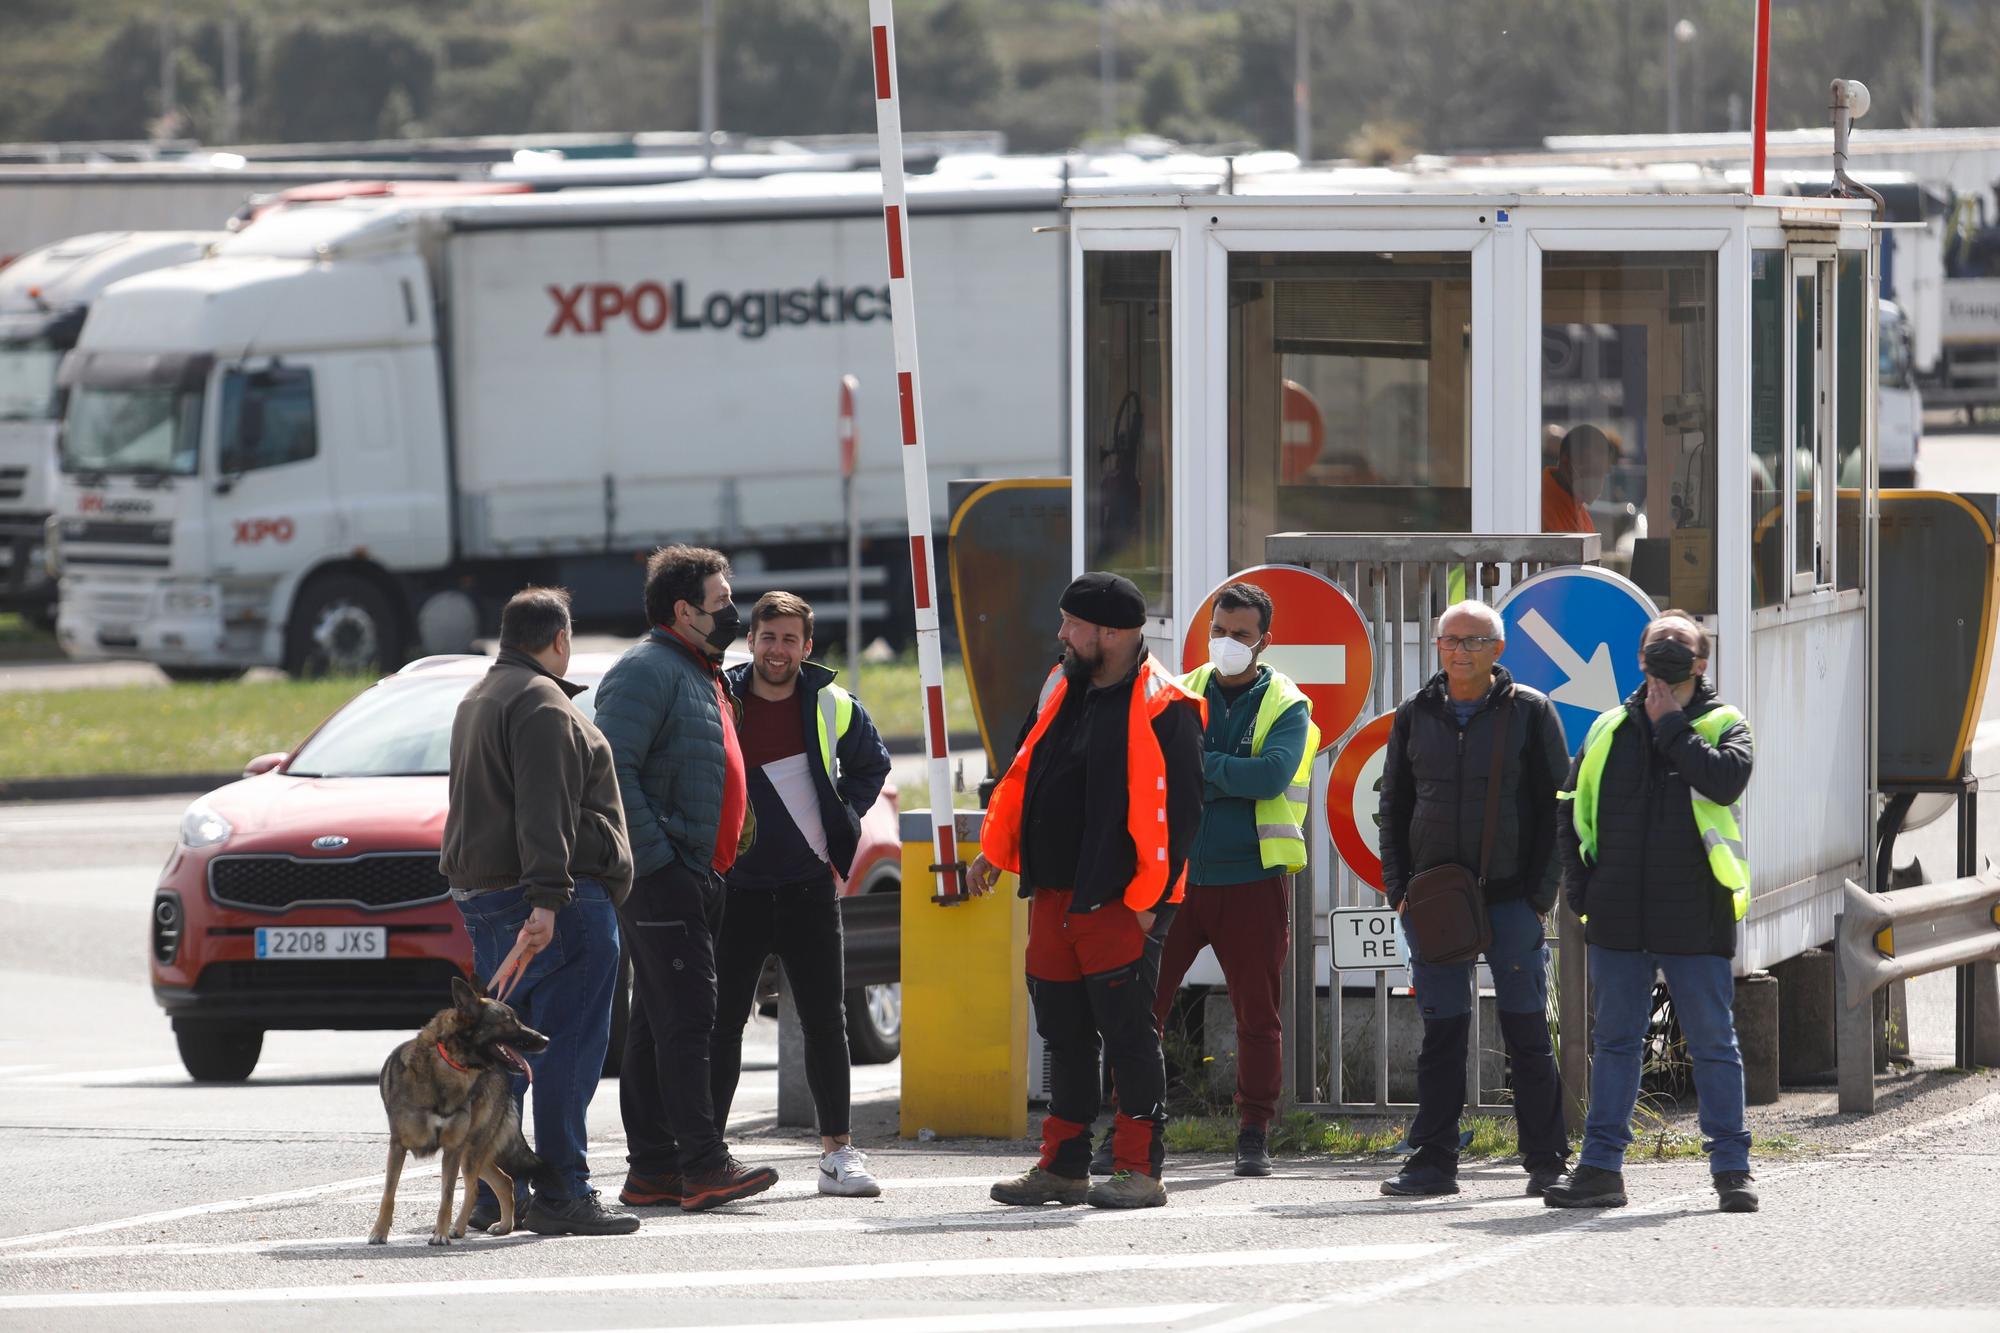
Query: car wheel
[621, 1015]
[218, 1052]
[195, 675]
[875, 1023]
[342, 626]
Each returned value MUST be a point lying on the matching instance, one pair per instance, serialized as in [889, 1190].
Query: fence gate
[1402, 582]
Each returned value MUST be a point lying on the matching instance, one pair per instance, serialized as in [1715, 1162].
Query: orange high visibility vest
[1146, 785]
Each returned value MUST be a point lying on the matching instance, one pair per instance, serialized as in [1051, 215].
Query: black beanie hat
[1110, 600]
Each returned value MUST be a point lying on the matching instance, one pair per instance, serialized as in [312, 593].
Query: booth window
[1851, 313]
[1767, 426]
[1127, 418]
[1349, 377]
[1813, 463]
[1629, 414]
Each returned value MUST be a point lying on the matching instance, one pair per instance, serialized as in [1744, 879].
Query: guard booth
[1261, 363]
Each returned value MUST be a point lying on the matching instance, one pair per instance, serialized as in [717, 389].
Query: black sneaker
[1587, 1187]
[1253, 1152]
[1733, 1189]
[1540, 1178]
[1102, 1161]
[726, 1182]
[584, 1215]
[1419, 1183]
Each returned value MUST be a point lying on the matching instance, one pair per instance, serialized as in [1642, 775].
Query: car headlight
[202, 827]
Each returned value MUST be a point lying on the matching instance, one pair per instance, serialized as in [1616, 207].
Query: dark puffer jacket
[659, 709]
[1651, 887]
[1434, 777]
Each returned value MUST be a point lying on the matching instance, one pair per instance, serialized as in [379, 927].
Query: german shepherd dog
[446, 1088]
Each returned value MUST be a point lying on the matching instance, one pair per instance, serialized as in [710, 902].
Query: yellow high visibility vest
[1721, 825]
[836, 715]
[1281, 819]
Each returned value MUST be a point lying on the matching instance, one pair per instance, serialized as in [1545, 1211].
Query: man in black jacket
[815, 766]
[1434, 788]
[1653, 860]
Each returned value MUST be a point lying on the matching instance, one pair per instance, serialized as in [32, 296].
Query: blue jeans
[1519, 961]
[1621, 994]
[565, 994]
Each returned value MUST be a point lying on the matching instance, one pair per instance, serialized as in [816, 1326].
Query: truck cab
[252, 455]
[44, 297]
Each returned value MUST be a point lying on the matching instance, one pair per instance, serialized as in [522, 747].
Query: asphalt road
[144, 1201]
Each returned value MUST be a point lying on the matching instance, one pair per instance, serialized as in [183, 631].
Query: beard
[1077, 668]
[780, 676]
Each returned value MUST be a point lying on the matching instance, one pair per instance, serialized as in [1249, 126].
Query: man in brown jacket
[536, 853]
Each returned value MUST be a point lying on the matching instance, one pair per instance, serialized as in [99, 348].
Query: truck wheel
[875, 1023]
[194, 675]
[621, 1014]
[217, 1052]
[342, 626]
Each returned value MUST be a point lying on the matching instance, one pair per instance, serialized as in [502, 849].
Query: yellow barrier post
[965, 998]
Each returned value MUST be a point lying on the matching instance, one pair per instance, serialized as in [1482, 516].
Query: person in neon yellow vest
[1654, 862]
[1257, 753]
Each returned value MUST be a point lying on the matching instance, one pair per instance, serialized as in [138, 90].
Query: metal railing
[1402, 582]
[1881, 938]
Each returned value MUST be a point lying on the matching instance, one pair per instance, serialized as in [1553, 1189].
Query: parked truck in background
[349, 434]
[44, 296]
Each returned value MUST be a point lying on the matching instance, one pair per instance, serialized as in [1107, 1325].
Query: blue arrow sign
[1573, 633]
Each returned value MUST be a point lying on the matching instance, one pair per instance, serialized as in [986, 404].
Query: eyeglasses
[1471, 643]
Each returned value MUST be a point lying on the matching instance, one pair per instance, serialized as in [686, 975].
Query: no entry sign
[1318, 638]
[1353, 800]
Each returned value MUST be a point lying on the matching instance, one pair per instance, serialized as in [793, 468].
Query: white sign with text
[1365, 939]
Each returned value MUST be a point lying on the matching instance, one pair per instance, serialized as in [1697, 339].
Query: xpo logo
[252, 531]
[588, 308]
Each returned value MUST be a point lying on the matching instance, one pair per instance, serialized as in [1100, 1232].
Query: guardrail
[1882, 938]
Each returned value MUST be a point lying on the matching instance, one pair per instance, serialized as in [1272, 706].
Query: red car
[307, 895]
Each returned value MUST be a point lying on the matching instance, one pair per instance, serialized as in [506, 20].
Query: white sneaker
[844, 1172]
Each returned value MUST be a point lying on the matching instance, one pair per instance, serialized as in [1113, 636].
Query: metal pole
[169, 93]
[849, 450]
[709, 113]
[916, 473]
[232, 77]
[1302, 134]
[1107, 72]
[1760, 96]
[1673, 82]
[1927, 89]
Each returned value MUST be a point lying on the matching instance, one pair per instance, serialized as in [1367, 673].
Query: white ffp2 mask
[1231, 657]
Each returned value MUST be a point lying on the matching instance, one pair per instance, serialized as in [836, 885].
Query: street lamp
[1681, 34]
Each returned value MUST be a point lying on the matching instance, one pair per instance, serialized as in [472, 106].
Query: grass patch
[894, 695]
[1303, 1134]
[178, 729]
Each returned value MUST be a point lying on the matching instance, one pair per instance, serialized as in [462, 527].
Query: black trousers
[800, 923]
[1538, 1094]
[670, 921]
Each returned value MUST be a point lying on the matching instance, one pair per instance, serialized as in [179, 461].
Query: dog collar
[448, 1060]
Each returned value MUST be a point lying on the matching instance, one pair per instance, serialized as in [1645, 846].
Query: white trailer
[354, 429]
[44, 297]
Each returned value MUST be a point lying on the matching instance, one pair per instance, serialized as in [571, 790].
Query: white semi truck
[350, 433]
[44, 296]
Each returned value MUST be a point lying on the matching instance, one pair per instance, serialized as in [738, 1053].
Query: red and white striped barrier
[916, 473]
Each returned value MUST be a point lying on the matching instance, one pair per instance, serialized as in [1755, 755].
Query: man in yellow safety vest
[1653, 860]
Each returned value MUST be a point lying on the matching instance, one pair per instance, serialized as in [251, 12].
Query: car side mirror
[264, 763]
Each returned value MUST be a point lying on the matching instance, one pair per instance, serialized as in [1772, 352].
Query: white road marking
[1122, 1316]
[90, 1077]
[9, 1071]
[926, 1270]
[1276, 1314]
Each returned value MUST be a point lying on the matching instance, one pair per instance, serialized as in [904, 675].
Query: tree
[328, 82]
[951, 75]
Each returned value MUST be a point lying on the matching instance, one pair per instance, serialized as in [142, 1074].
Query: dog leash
[510, 971]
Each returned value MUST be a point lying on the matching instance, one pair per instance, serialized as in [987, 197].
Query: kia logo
[329, 842]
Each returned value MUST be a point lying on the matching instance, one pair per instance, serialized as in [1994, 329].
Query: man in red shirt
[671, 721]
[1583, 465]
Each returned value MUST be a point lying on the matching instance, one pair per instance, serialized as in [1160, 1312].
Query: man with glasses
[1435, 775]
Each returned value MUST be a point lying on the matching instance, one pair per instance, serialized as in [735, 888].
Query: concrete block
[795, 1103]
[1806, 1012]
[1758, 1037]
[1986, 1005]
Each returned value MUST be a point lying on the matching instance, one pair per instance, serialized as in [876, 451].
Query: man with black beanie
[1096, 815]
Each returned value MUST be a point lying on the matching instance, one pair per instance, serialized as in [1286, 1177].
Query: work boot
[1253, 1152]
[1733, 1189]
[1101, 1162]
[642, 1191]
[1541, 1177]
[1419, 1182]
[1127, 1189]
[1587, 1187]
[584, 1215]
[726, 1182]
[1036, 1186]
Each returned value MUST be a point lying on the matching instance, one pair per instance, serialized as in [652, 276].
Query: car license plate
[322, 942]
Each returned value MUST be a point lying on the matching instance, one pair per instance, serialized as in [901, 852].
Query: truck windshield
[149, 429]
[28, 379]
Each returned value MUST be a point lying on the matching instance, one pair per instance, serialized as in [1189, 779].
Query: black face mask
[1668, 661]
[724, 625]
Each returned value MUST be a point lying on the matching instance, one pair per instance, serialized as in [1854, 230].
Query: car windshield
[28, 379]
[148, 430]
[399, 728]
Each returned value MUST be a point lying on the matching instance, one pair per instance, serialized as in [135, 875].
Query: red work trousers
[1248, 926]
